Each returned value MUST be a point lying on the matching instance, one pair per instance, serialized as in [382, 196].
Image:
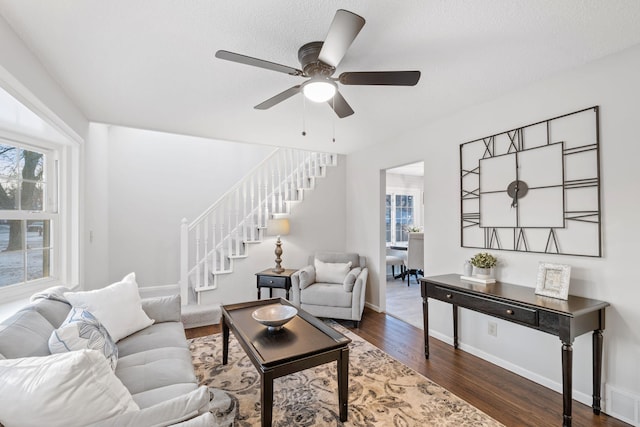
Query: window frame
[417, 210]
[61, 171]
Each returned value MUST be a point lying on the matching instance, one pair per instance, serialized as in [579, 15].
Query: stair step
[237, 256]
[252, 242]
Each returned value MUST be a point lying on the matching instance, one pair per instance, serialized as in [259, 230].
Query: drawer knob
[510, 311]
[271, 281]
[449, 296]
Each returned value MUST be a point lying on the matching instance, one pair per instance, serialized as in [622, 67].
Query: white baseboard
[539, 379]
[373, 307]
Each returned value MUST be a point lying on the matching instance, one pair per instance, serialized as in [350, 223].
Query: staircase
[223, 233]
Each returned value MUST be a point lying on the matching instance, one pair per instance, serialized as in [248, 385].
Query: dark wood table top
[269, 272]
[302, 336]
[574, 306]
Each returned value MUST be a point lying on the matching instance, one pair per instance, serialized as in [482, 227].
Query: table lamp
[278, 227]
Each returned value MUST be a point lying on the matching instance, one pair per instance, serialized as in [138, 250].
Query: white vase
[482, 273]
[468, 268]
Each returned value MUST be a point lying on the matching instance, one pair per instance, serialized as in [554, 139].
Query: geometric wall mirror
[535, 188]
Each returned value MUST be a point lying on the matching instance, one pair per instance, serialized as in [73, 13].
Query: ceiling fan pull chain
[333, 119]
[304, 112]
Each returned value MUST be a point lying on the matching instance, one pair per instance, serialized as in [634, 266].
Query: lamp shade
[319, 90]
[278, 227]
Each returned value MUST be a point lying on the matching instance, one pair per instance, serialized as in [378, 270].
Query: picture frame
[553, 280]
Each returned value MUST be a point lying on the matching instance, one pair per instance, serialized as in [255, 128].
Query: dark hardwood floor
[507, 397]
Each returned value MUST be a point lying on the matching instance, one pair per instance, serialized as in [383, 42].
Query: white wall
[152, 180]
[24, 77]
[612, 84]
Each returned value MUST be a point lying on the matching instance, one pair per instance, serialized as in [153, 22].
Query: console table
[519, 304]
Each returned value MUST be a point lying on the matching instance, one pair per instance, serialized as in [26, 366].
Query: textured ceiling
[150, 63]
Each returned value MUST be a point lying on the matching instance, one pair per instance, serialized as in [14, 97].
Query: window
[401, 211]
[27, 213]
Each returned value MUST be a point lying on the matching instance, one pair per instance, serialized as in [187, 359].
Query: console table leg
[455, 326]
[225, 342]
[567, 379]
[343, 383]
[597, 369]
[425, 321]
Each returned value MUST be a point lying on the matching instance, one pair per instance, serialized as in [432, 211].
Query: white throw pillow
[75, 388]
[117, 307]
[331, 272]
[82, 330]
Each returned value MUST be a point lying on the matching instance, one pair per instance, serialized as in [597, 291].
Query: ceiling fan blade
[340, 105]
[342, 32]
[278, 98]
[390, 78]
[248, 60]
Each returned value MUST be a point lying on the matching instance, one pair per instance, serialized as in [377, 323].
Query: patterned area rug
[382, 391]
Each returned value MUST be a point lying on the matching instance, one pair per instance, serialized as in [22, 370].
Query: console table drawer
[505, 311]
[272, 282]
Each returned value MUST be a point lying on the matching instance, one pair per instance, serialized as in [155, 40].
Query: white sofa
[154, 365]
[340, 297]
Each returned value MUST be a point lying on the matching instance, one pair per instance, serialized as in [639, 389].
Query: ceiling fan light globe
[319, 90]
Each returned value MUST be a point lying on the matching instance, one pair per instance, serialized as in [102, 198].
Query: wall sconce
[278, 227]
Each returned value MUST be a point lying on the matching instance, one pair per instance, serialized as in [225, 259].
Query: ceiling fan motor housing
[311, 66]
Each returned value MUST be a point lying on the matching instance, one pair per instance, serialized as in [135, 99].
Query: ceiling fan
[319, 61]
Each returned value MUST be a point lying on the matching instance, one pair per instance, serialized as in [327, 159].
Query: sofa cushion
[350, 280]
[81, 330]
[326, 294]
[75, 388]
[25, 334]
[160, 335]
[117, 307]
[156, 368]
[331, 272]
[148, 398]
[54, 311]
[162, 309]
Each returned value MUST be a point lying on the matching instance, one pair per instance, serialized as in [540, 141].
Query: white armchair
[333, 285]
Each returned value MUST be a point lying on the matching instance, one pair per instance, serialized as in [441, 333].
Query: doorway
[404, 213]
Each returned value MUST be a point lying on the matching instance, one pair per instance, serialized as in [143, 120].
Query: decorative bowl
[274, 316]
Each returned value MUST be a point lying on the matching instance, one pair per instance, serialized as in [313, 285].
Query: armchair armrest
[300, 280]
[359, 291]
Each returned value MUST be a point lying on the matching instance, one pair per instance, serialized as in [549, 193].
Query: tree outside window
[25, 232]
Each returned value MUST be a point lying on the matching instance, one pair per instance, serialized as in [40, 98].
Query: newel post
[184, 261]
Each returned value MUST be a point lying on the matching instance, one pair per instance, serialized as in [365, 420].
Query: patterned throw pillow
[81, 330]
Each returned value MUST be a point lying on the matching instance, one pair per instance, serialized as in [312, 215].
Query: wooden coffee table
[303, 343]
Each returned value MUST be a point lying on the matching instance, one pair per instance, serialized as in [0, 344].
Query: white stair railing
[223, 232]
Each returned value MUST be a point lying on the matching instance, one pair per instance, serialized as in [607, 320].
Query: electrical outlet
[493, 329]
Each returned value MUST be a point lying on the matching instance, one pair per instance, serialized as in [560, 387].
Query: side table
[271, 280]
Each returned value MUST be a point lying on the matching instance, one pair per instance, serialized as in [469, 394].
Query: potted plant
[482, 263]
